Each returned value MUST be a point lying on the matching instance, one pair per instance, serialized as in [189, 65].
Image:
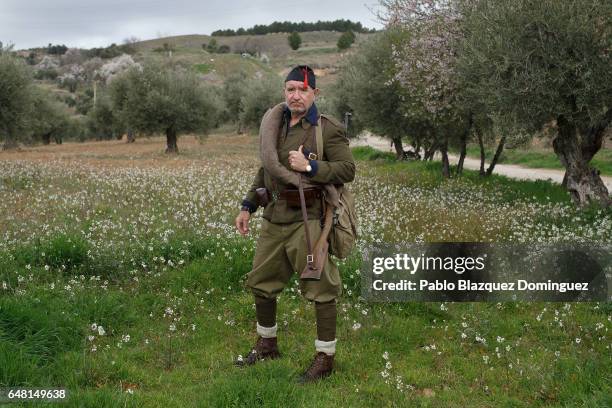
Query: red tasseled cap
[303, 74]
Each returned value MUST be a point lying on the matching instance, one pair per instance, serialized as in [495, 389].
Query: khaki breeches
[281, 251]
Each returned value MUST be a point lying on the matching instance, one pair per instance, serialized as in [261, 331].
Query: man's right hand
[242, 222]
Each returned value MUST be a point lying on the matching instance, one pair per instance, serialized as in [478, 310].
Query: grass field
[121, 280]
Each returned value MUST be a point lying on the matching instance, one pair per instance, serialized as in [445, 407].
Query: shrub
[346, 40]
[48, 73]
[295, 40]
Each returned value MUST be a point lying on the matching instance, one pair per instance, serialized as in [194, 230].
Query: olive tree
[103, 121]
[368, 89]
[153, 99]
[259, 95]
[15, 99]
[543, 62]
[234, 88]
[49, 117]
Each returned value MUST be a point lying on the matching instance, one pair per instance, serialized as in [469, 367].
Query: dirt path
[509, 170]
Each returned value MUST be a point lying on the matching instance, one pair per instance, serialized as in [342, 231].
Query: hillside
[318, 50]
[274, 45]
[253, 54]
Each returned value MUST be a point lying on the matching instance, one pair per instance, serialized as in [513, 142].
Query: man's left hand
[297, 161]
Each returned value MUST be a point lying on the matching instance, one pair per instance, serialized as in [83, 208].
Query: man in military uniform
[281, 249]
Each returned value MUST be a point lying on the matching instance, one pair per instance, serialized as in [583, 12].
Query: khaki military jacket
[337, 165]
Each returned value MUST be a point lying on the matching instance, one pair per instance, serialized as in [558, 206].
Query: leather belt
[293, 195]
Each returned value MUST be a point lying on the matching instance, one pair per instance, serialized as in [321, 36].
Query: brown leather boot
[265, 348]
[321, 367]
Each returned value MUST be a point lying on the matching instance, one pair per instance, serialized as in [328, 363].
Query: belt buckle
[309, 258]
[312, 156]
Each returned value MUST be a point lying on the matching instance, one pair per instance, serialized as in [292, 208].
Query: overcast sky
[89, 23]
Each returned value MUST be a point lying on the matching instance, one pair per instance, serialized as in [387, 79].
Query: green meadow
[122, 281]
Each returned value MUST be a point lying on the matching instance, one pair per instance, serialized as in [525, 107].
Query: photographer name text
[472, 286]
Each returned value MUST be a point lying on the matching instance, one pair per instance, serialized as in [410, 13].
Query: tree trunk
[575, 152]
[429, 153]
[10, 142]
[95, 93]
[482, 151]
[464, 138]
[462, 154]
[498, 152]
[445, 163]
[58, 139]
[399, 148]
[131, 138]
[417, 146]
[171, 146]
[46, 138]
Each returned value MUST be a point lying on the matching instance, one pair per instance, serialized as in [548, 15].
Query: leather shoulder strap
[319, 140]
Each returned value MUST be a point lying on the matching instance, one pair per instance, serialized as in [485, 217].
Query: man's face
[298, 99]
